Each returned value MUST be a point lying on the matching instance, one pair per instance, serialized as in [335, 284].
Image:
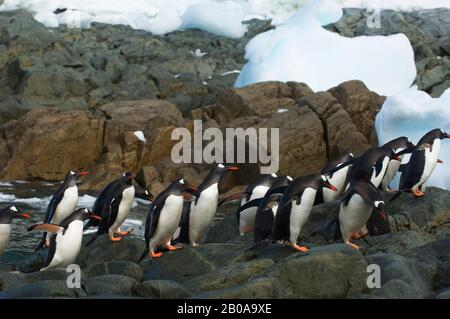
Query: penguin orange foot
[359, 235]
[303, 249]
[418, 193]
[353, 245]
[115, 239]
[172, 248]
[155, 255]
[124, 233]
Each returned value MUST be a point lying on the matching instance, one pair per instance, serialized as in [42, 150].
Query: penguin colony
[275, 207]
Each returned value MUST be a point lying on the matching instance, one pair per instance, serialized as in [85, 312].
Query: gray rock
[397, 289]
[416, 274]
[228, 276]
[397, 243]
[260, 288]
[50, 274]
[163, 289]
[10, 280]
[443, 295]
[120, 267]
[43, 289]
[111, 284]
[332, 271]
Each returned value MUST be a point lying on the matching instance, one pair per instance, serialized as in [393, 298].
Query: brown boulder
[361, 104]
[46, 143]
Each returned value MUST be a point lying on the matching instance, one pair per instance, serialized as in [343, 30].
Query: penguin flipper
[231, 198]
[183, 237]
[144, 254]
[51, 208]
[42, 242]
[50, 228]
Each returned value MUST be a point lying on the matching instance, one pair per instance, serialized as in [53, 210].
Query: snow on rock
[413, 113]
[302, 50]
[140, 135]
[222, 17]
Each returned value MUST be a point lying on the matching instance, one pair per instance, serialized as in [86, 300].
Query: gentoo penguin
[401, 146]
[295, 207]
[6, 217]
[372, 165]
[63, 202]
[355, 208]
[267, 208]
[65, 241]
[246, 213]
[163, 218]
[423, 160]
[113, 206]
[337, 178]
[203, 208]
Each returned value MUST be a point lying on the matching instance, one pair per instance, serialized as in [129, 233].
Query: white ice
[302, 50]
[140, 135]
[413, 113]
[222, 17]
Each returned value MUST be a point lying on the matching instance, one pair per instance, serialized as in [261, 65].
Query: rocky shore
[413, 260]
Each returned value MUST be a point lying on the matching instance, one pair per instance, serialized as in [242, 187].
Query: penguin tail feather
[41, 243]
[261, 244]
[144, 254]
[91, 240]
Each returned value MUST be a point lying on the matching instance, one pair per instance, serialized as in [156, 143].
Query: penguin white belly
[376, 179]
[169, 219]
[391, 171]
[338, 181]
[68, 246]
[202, 214]
[66, 206]
[5, 235]
[300, 213]
[258, 192]
[431, 159]
[247, 220]
[124, 207]
[353, 216]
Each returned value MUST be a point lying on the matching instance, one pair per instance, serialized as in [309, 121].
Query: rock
[361, 104]
[341, 133]
[50, 274]
[111, 284]
[341, 269]
[102, 250]
[10, 280]
[228, 276]
[424, 211]
[397, 289]
[260, 288]
[196, 261]
[223, 229]
[45, 144]
[163, 289]
[43, 289]
[416, 274]
[396, 243]
[120, 267]
[443, 295]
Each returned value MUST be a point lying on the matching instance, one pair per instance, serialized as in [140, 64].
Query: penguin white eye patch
[72, 172]
[221, 166]
[182, 181]
[377, 203]
[14, 208]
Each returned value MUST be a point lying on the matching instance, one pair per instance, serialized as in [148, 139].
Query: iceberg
[413, 113]
[302, 50]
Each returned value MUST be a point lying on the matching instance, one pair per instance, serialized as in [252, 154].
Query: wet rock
[162, 289]
[228, 276]
[43, 289]
[341, 269]
[9, 280]
[120, 267]
[111, 284]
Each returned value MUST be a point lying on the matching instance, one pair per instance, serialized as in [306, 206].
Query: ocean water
[33, 198]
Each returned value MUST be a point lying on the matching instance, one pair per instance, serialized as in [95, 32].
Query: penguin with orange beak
[63, 203]
[7, 215]
[295, 207]
[66, 238]
[203, 208]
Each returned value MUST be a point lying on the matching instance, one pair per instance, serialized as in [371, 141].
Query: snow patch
[413, 113]
[302, 50]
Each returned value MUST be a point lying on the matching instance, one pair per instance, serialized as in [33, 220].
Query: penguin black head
[81, 214]
[71, 177]
[127, 178]
[180, 186]
[7, 214]
[324, 182]
[433, 135]
[221, 168]
[400, 142]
